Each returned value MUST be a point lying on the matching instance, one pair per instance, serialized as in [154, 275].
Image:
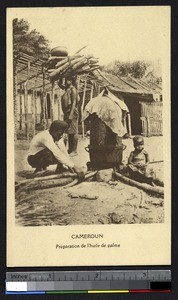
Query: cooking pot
[59, 51]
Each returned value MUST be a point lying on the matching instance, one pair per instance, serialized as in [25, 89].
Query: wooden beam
[26, 102]
[35, 100]
[52, 101]
[82, 108]
[15, 102]
[59, 105]
[30, 57]
[33, 111]
[41, 85]
[126, 82]
[21, 108]
[104, 77]
[129, 124]
[143, 186]
[43, 101]
[91, 93]
[137, 82]
[33, 76]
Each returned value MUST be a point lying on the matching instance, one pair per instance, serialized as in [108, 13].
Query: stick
[44, 184]
[145, 187]
[81, 49]
[49, 177]
[76, 181]
[71, 58]
[62, 69]
[156, 161]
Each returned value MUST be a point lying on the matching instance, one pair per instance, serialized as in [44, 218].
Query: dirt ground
[92, 202]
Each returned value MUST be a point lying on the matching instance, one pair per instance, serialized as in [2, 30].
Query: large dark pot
[59, 51]
[106, 148]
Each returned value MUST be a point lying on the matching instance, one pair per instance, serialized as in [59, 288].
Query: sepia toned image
[89, 96]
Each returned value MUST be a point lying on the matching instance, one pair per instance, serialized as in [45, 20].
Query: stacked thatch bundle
[61, 65]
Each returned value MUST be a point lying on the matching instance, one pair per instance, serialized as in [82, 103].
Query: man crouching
[48, 148]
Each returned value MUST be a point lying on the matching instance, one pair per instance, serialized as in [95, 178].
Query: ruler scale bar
[88, 281]
[152, 275]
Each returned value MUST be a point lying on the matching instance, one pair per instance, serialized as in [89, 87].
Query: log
[62, 69]
[93, 61]
[75, 68]
[43, 178]
[93, 69]
[156, 161]
[61, 63]
[84, 68]
[81, 49]
[143, 186]
[51, 63]
[57, 72]
[71, 58]
[44, 184]
[76, 181]
[79, 64]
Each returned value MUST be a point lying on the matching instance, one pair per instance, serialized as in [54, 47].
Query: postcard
[88, 136]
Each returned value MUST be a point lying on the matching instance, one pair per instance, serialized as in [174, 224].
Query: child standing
[138, 162]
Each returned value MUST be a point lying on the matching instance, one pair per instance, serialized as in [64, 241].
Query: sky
[110, 33]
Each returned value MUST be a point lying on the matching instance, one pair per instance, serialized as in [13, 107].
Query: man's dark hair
[58, 125]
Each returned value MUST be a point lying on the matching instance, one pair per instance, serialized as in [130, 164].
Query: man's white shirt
[45, 140]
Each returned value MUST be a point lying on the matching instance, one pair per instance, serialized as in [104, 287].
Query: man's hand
[79, 172]
[70, 119]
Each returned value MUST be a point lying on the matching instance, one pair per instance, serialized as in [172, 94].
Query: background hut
[37, 100]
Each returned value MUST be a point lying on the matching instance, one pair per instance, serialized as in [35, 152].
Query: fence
[151, 117]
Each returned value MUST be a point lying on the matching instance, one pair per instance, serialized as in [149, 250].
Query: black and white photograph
[90, 134]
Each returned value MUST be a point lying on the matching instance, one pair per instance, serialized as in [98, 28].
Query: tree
[29, 42]
[135, 69]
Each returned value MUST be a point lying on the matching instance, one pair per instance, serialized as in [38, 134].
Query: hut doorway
[135, 113]
[48, 106]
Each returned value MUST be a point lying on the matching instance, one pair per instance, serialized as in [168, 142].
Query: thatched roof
[38, 78]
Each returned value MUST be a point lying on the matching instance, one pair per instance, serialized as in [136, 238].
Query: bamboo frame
[35, 75]
[91, 93]
[129, 124]
[52, 102]
[35, 100]
[21, 108]
[33, 113]
[15, 101]
[82, 108]
[59, 104]
[43, 101]
[26, 102]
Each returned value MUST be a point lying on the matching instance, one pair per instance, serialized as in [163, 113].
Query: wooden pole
[52, 102]
[124, 121]
[43, 101]
[21, 109]
[129, 124]
[143, 186]
[26, 109]
[59, 104]
[148, 127]
[46, 110]
[26, 101]
[35, 102]
[78, 83]
[91, 93]
[82, 108]
[33, 113]
[15, 102]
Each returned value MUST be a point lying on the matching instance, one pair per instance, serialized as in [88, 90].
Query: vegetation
[29, 42]
[135, 69]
